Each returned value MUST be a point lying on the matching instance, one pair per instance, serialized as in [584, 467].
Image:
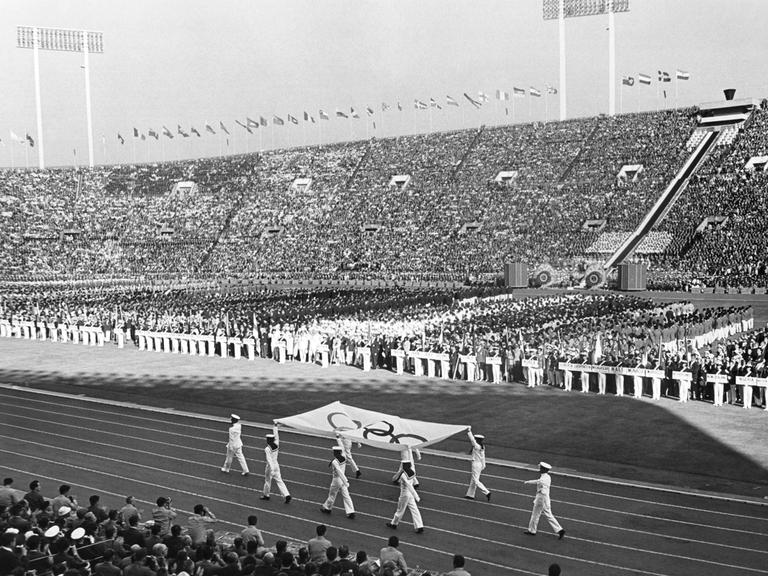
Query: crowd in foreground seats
[61, 537]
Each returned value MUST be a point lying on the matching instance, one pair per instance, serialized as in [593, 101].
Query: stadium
[418, 252]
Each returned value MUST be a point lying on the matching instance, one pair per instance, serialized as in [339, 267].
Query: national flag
[153, 133]
[244, 126]
[551, 90]
[628, 81]
[251, 122]
[15, 137]
[682, 75]
[262, 121]
[534, 92]
[209, 128]
[143, 136]
[482, 96]
[135, 133]
[120, 138]
[306, 116]
[399, 106]
[384, 106]
[353, 113]
[224, 128]
[341, 114]
[194, 131]
[664, 77]
[293, 119]
[323, 115]
[644, 79]
[30, 140]
[276, 120]
[433, 104]
[180, 131]
[167, 132]
[502, 95]
[518, 92]
[472, 101]
[369, 110]
[419, 105]
[450, 101]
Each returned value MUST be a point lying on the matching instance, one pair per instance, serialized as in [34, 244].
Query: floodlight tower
[60, 40]
[560, 10]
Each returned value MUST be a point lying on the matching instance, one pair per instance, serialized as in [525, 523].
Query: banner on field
[369, 427]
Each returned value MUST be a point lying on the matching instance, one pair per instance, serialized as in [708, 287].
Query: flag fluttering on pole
[293, 119]
[135, 132]
[664, 76]
[245, 126]
[224, 128]
[502, 95]
[482, 96]
[276, 120]
[472, 101]
[120, 138]
[323, 115]
[551, 90]
[251, 122]
[628, 81]
[341, 114]
[450, 101]
[209, 128]
[180, 131]
[153, 133]
[167, 132]
[30, 140]
[353, 113]
[419, 105]
[194, 131]
[644, 79]
[262, 121]
[518, 92]
[534, 92]
[682, 75]
[433, 104]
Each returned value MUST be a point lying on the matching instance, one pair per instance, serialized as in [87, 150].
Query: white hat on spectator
[11, 530]
[77, 533]
[52, 532]
[29, 533]
[64, 510]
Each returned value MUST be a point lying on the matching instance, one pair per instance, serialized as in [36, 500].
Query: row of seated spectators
[60, 537]
[535, 218]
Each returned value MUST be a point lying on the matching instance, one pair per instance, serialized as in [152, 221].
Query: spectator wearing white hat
[235, 446]
[272, 468]
[339, 482]
[541, 503]
[407, 500]
[478, 465]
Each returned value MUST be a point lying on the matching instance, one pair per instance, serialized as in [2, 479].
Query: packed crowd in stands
[60, 536]
[246, 216]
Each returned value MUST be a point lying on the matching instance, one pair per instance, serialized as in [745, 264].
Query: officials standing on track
[339, 483]
[541, 503]
[478, 465]
[408, 499]
[235, 446]
[272, 467]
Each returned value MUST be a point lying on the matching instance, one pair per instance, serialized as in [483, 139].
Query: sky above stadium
[187, 63]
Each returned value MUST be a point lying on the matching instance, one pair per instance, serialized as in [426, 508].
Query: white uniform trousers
[542, 506]
[474, 483]
[601, 385]
[351, 461]
[337, 485]
[638, 387]
[406, 502]
[718, 393]
[269, 476]
[656, 386]
[235, 453]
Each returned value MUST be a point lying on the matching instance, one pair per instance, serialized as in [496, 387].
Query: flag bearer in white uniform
[478, 465]
[407, 455]
[272, 469]
[235, 446]
[408, 499]
[541, 504]
[346, 445]
[339, 482]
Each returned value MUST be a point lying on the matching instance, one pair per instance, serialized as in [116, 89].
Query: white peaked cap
[545, 465]
[234, 416]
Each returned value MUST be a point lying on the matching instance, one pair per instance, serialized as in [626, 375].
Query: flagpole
[546, 107]
[621, 98]
[133, 152]
[513, 104]
[561, 30]
[26, 154]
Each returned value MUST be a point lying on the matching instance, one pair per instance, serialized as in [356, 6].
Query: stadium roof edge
[722, 104]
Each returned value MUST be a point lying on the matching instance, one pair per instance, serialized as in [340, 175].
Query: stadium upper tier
[456, 203]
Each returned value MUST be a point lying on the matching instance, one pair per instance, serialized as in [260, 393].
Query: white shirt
[478, 452]
[542, 485]
[406, 487]
[339, 470]
[234, 436]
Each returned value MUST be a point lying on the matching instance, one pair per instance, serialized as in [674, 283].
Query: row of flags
[250, 124]
[26, 140]
[663, 77]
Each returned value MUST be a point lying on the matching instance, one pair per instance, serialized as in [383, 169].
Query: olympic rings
[393, 438]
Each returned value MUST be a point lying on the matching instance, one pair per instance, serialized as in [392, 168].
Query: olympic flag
[369, 427]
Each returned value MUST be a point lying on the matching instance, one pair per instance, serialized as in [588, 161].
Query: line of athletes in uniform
[404, 477]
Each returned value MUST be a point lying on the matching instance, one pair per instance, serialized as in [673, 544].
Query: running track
[615, 529]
